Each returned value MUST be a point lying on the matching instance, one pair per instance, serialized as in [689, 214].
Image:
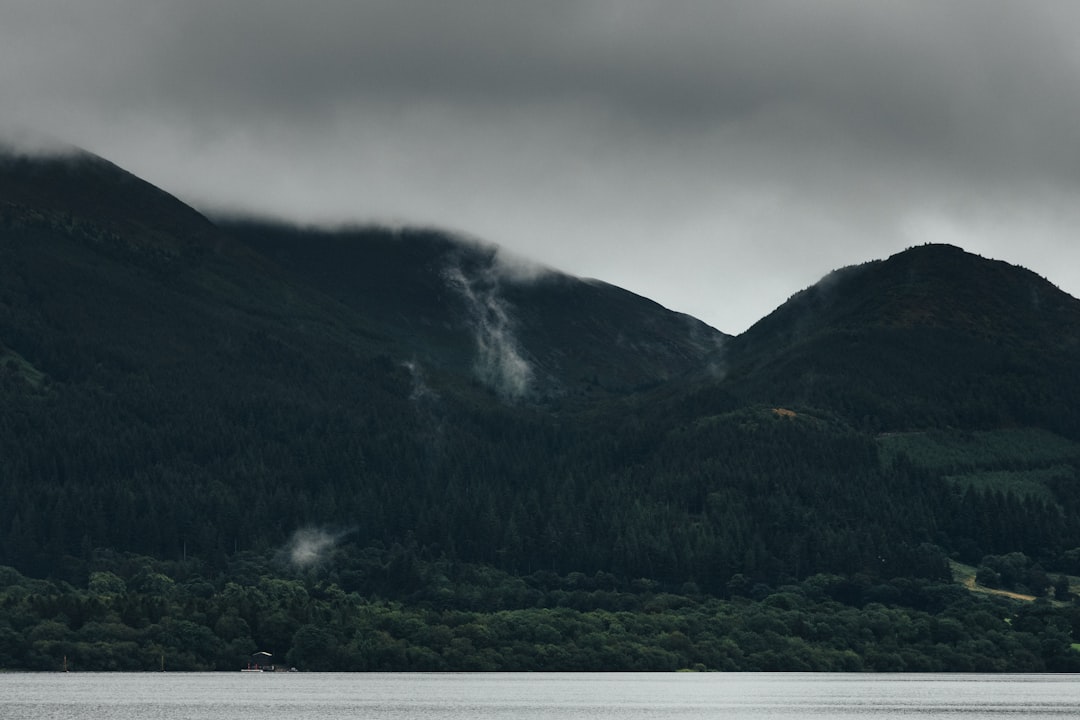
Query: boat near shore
[261, 661]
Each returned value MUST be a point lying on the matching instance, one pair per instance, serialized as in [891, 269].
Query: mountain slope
[363, 448]
[930, 337]
[524, 330]
[218, 388]
[79, 188]
[200, 389]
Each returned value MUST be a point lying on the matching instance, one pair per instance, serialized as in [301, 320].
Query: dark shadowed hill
[930, 337]
[79, 188]
[526, 331]
[198, 392]
[97, 240]
[214, 389]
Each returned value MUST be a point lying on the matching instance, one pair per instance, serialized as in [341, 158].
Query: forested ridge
[392, 449]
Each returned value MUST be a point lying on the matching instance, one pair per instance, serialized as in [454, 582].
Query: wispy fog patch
[517, 268]
[421, 391]
[425, 402]
[499, 364]
[309, 546]
[23, 141]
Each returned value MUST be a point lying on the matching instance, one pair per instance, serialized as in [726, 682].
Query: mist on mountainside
[193, 406]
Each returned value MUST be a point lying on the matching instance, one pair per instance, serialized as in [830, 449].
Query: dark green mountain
[80, 188]
[220, 416]
[931, 337]
[529, 332]
[220, 387]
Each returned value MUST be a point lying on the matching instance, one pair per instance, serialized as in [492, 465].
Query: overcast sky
[713, 156]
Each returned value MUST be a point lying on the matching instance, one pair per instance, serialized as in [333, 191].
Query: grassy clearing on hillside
[965, 575]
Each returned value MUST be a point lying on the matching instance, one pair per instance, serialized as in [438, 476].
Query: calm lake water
[331, 696]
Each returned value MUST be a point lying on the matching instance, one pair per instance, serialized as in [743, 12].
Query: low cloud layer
[714, 156]
[310, 546]
[500, 363]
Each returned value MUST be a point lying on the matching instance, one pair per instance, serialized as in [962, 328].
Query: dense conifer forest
[371, 449]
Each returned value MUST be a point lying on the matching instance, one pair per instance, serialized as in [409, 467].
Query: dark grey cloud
[716, 156]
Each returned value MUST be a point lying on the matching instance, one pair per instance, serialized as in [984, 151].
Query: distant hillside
[525, 330]
[931, 337]
[397, 449]
[84, 189]
[215, 388]
[173, 386]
